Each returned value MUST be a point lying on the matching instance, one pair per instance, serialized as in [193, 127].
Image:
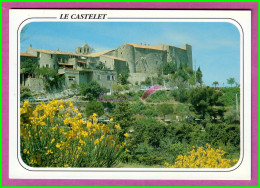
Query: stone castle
[83, 65]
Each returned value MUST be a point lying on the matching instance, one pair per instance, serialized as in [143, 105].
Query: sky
[215, 45]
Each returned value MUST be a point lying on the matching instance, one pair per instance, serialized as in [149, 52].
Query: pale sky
[215, 45]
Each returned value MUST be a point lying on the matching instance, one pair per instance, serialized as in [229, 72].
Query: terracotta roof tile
[27, 55]
[112, 57]
[97, 54]
[57, 52]
[144, 46]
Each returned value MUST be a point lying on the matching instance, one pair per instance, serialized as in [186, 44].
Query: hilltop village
[135, 106]
[84, 65]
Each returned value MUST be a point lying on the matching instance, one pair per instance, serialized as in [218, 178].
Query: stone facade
[178, 55]
[141, 60]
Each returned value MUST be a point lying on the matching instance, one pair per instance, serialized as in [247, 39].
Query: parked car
[41, 99]
[30, 99]
[190, 118]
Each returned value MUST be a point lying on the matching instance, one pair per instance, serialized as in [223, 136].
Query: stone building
[76, 68]
[27, 79]
[145, 60]
[82, 66]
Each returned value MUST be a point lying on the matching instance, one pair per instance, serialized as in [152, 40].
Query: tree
[91, 90]
[168, 68]
[231, 81]
[182, 73]
[215, 83]
[199, 76]
[123, 115]
[51, 77]
[122, 77]
[117, 88]
[29, 66]
[148, 81]
[192, 80]
[207, 101]
[94, 107]
[165, 109]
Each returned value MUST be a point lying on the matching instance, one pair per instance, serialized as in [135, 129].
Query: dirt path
[168, 102]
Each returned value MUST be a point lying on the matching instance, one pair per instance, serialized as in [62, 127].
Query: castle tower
[188, 49]
[127, 52]
[85, 49]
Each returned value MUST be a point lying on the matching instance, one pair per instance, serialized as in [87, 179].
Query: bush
[181, 95]
[138, 108]
[165, 109]
[148, 130]
[158, 96]
[217, 134]
[151, 111]
[230, 95]
[94, 107]
[25, 95]
[203, 157]
[91, 90]
[55, 135]
[231, 116]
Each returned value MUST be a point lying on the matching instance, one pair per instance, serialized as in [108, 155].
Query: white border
[242, 172]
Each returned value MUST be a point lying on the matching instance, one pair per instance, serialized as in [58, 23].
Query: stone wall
[35, 84]
[139, 77]
[109, 62]
[105, 78]
[179, 55]
[120, 66]
[149, 60]
[47, 60]
[127, 52]
[71, 77]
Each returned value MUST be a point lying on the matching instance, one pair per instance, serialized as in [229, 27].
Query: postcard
[130, 95]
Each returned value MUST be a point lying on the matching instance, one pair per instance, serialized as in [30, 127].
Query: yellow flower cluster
[56, 134]
[203, 158]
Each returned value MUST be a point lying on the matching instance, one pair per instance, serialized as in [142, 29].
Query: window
[99, 77]
[108, 77]
[47, 66]
[71, 77]
[51, 56]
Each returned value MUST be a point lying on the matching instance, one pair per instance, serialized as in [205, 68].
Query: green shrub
[148, 130]
[138, 108]
[181, 95]
[94, 107]
[230, 95]
[158, 96]
[151, 111]
[25, 95]
[217, 134]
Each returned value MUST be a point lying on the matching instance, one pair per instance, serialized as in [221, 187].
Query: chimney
[30, 46]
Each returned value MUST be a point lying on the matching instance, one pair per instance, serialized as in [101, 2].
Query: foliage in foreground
[55, 135]
[203, 158]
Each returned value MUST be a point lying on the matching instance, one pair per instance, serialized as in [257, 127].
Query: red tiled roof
[112, 57]
[144, 46]
[97, 54]
[27, 55]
